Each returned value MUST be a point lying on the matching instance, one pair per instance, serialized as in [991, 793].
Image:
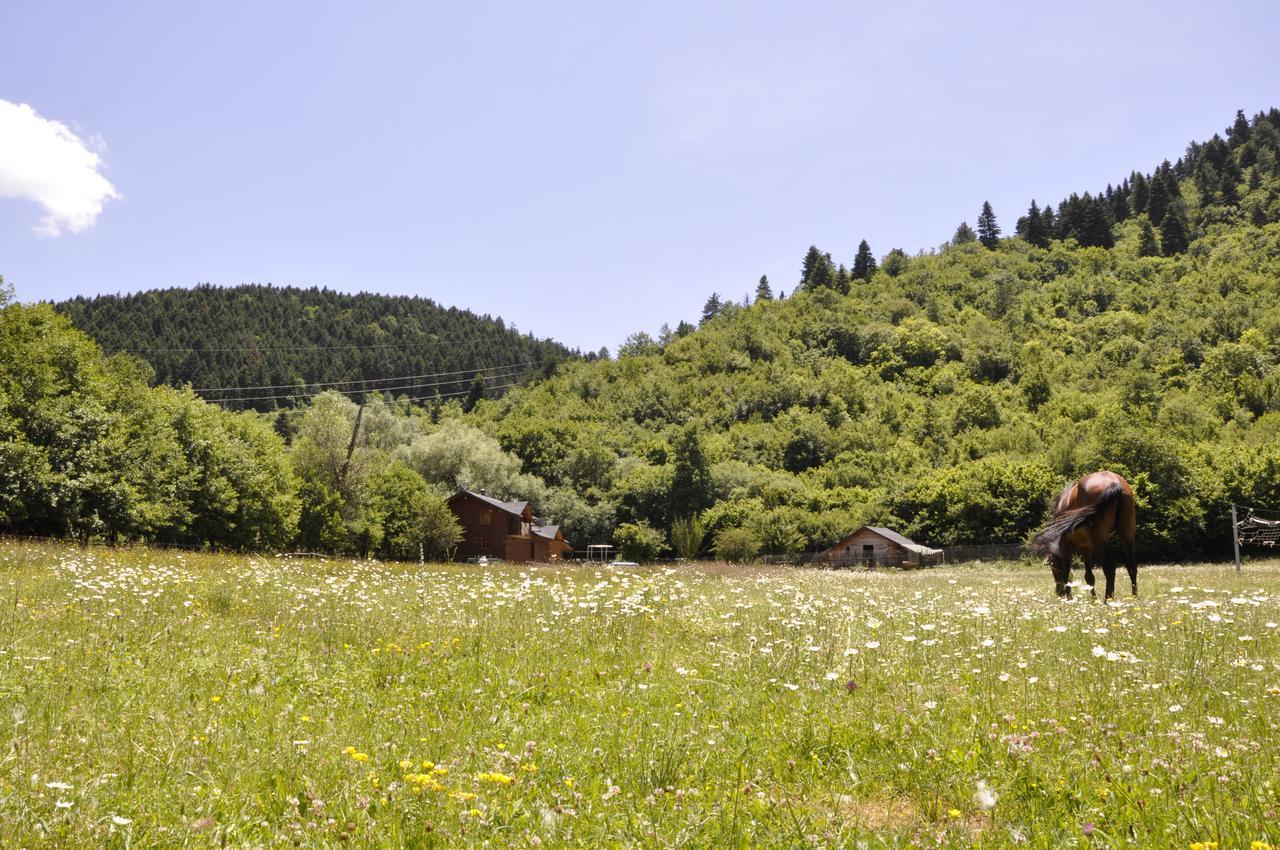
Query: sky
[583, 170]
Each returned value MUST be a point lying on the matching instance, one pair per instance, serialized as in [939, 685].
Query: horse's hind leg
[1101, 551]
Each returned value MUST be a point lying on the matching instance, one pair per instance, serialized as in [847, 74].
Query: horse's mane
[1049, 541]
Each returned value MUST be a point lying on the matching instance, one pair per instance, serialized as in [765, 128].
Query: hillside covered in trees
[949, 395]
[285, 343]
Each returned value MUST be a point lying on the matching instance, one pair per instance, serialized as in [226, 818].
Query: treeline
[285, 343]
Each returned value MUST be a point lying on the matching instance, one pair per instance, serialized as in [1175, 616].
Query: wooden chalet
[875, 546]
[504, 530]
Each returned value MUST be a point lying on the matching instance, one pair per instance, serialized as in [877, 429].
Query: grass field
[159, 699]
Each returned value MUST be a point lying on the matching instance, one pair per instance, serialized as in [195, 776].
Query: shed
[874, 546]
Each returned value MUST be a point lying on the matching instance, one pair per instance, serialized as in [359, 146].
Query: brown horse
[1088, 512]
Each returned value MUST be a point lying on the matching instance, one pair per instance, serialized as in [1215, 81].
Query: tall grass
[160, 699]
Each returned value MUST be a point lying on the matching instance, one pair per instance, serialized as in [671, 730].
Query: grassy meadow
[154, 698]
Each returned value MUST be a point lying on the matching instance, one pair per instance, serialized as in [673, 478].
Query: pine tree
[1157, 198]
[1173, 231]
[988, 230]
[819, 272]
[712, 308]
[763, 291]
[1048, 223]
[1141, 193]
[964, 234]
[809, 268]
[1119, 203]
[1032, 227]
[474, 394]
[1147, 244]
[1239, 132]
[864, 264]
[1094, 227]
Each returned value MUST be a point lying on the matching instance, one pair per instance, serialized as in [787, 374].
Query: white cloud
[43, 161]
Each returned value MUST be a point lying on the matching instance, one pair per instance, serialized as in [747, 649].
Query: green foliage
[89, 450]
[737, 545]
[416, 523]
[637, 541]
[995, 499]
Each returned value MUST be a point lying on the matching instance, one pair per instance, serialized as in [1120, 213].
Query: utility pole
[1235, 535]
[351, 447]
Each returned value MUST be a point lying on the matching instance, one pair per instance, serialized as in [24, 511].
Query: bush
[737, 545]
[637, 541]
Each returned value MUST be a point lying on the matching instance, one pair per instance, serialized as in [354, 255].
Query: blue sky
[584, 170]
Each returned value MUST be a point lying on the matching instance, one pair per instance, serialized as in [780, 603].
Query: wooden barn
[505, 530]
[874, 546]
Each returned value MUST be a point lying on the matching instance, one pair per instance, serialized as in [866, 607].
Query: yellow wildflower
[954, 813]
[498, 778]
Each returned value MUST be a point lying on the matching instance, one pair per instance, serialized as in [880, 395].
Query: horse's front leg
[1061, 566]
[1087, 557]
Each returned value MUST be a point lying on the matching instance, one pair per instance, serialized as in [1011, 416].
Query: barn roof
[513, 508]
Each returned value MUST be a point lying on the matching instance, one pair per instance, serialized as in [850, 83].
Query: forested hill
[288, 340]
[951, 394]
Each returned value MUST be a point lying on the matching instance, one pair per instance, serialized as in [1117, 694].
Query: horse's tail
[1049, 541]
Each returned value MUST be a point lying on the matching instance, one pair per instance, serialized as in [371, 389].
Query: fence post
[1235, 535]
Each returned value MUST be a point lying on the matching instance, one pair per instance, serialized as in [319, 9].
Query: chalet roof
[513, 508]
[904, 542]
[547, 531]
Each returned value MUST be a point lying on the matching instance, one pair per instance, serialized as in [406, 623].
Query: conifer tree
[964, 234]
[1147, 244]
[988, 230]
[1138, 202]
[1094, 226]
[809, 268]
[763, 291]
[1239, 132]
[864, 264]
[1032, 229]
[818, 270]
[1173, 231]
[712, 308]
[1048, 223]
[1157, 198]
[474, 393]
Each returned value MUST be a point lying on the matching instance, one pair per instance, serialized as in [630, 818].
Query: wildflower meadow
[156, 699]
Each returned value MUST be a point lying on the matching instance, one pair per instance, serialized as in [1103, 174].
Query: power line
[309, 393]
[265, 349]
[302, 396]
[368, 380]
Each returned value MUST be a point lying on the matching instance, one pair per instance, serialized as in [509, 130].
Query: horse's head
[1058, 560]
